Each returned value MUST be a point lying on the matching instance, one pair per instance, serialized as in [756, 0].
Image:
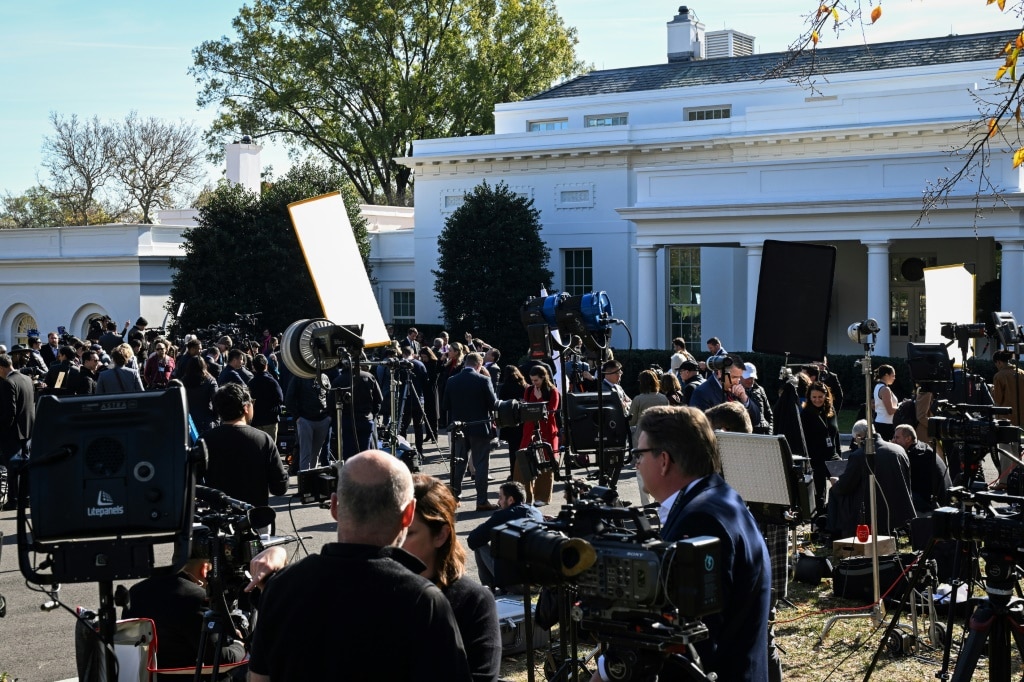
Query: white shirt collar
[665, 507]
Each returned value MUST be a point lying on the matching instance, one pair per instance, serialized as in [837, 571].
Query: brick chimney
[243, 163]
[685, 37]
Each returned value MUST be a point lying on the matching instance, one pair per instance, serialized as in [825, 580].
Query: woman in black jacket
[820, 434]
[429, 396]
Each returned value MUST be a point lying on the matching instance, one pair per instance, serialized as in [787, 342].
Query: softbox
[794, 294]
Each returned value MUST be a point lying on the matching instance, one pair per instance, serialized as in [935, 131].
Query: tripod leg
[981, 627]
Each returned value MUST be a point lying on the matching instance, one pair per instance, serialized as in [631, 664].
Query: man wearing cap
[759, 396]
[612, 373]
[33, 365]
[690, 378]
[138, 332]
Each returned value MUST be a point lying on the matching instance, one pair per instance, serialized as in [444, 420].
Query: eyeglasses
[637, 453]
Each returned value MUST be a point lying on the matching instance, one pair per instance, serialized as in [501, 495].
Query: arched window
[24, 324]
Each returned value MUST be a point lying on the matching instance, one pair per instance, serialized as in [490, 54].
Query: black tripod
[217, 625]
[994, 620]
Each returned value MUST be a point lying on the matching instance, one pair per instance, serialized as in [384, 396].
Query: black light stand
[866, 333]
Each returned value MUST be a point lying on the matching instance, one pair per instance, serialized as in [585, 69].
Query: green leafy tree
[359, 80]
[37, 207]
[491, 258]
[244, 256]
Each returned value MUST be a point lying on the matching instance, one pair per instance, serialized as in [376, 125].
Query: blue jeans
[312, 435]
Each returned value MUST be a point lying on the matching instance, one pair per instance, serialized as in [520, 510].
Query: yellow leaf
[1002, 5]
[814, 37]
[989, 2]
[835, 14]
[993, 126]
[823, 10]
[1001, 72]
[1020, 41]
[1016, 114]
[876, 13]
[1018, 157]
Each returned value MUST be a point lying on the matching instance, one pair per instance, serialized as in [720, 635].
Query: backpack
[906, 413]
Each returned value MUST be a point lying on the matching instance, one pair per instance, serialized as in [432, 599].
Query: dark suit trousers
[480, 449]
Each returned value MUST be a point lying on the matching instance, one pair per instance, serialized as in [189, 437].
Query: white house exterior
[659, 184]
[67, 276]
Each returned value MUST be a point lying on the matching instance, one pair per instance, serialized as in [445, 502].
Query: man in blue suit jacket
[469, 397]
[678, 457]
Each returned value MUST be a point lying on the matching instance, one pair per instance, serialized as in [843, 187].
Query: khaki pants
[536, 488]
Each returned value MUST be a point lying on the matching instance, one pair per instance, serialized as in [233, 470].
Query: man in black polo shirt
[359, 610]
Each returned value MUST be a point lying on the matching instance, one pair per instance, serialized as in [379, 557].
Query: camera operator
[1008, 384]
[243, 461]
[176, 604]
[691, 378]
[678, 456]
[347, 612]
[367, 399]
[138, 333]
[512, 505]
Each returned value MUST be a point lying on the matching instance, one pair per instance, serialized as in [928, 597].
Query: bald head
[374, 504]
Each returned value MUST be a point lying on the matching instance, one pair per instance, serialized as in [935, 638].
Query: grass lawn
[844, 655]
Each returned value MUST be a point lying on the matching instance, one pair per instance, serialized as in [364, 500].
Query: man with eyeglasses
[678, 456]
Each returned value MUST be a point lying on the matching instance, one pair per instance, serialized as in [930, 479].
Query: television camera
[638, 594]
[225, 532]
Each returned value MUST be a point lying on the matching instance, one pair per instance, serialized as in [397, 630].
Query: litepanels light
[949, 291]
[758, 467]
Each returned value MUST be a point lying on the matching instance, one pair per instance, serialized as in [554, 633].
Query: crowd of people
[396, 527]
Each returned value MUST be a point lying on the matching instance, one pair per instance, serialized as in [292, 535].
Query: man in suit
[410, 340]
[469, 397]
[17, 416]
[678, 456]
[891, 468]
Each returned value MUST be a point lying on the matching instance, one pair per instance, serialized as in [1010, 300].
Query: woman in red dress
[541, 390]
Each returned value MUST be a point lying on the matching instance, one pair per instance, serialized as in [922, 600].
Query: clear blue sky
[109, 57]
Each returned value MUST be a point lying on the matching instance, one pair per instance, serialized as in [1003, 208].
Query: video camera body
[226, 533]
[632, 590]
[972, 424]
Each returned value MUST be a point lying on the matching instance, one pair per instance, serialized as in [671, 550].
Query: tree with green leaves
[358, 81]
[37, 207]
[244, 256]
[491, 259]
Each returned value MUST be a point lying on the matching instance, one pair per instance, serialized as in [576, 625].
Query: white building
[659, 184]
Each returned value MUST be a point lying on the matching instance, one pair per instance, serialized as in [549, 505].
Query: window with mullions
[403, 307]
[606, 120]
[22, 326]
[684, 292]
[579, 271]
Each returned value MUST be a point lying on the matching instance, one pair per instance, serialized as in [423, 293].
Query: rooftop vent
[729, 43]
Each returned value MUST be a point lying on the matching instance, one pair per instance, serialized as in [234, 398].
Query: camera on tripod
[950, 523]
[972, 424]
[630, 589]
[226, 532]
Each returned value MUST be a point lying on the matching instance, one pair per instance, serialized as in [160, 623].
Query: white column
[646, 298]
[878, 291]
[1012, 278]
[754, 252]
